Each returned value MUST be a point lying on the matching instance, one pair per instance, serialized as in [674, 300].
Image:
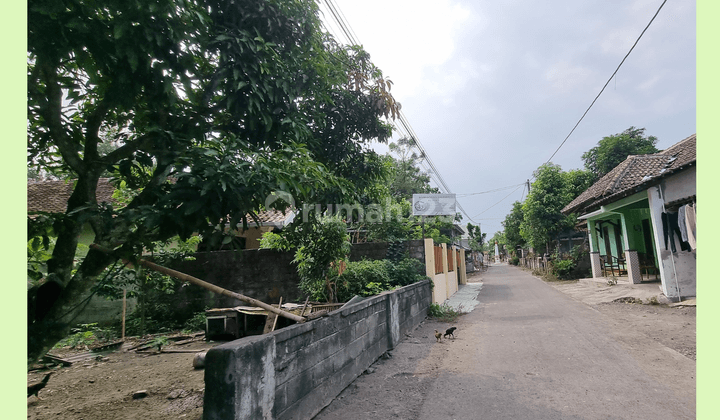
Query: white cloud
[408, 38]
[566, 77]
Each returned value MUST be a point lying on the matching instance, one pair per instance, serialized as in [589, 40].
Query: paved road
[531, 352]
[526, 351]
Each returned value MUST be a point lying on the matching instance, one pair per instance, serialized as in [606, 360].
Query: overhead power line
[352, 38]
[608, 82]
[503, 199]
[491, 191]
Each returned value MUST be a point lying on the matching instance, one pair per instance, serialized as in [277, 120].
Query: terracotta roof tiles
[634, 172]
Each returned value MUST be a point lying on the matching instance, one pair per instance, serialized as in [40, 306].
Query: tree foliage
[613, 150]
[319, 245]
[542, 219]
[512, 224]
[213, 106]
[477, 238]
[406, 177]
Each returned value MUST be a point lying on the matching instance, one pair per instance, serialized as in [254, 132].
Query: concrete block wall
[294, 372]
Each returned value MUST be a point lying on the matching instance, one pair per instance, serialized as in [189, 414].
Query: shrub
[196, 323]
[406, 271]
[85, 335]
[368, 278]
[358, 275]
[443, 313]
[562, 268]
[514, 260]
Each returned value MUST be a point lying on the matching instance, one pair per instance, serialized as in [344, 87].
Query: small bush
[86, 335]
[368, 278]
[443, 313]
[196, 323]
[358, 275]
[562, 268]
[514, 260]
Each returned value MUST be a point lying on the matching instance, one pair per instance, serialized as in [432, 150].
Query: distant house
[641, 219]
[53, 196]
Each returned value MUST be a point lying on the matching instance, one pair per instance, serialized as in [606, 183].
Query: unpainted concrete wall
[294, 372]
[678, 270]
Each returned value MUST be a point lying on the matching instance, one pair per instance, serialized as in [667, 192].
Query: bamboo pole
[123, 313]
[305, 306]
[213, 288]
[275, 320]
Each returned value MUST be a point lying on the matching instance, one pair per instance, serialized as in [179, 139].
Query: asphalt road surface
[527, 351]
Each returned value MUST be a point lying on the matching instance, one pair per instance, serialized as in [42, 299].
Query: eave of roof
[634, 174]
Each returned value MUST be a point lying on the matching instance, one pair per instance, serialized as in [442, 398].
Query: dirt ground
[104, 388]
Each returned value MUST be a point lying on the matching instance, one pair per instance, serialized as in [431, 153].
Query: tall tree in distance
[612, 150]
[407, 178]
[512, 224]
[542, 219]
[477, 238]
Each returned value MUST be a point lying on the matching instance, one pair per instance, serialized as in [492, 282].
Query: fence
[542, 264]
[294, 372]
[438, 259]
[438, 264]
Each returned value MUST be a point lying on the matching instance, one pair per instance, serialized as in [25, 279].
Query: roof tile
[633, 172]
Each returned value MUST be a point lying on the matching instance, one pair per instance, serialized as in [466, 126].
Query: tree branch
[92, 130]
[51, 111]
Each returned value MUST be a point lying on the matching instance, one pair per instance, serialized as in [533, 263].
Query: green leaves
[613, 150]
[542, 220]
[215, 105]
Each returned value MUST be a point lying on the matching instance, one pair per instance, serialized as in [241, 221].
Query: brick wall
[294, 372]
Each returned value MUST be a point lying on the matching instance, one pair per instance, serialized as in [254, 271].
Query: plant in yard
[195, 323]
[562, 268]
[319, 245]
[85, 335]
[444, 312]
[159, 342]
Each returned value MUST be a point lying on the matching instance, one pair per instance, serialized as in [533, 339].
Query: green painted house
[641, 219]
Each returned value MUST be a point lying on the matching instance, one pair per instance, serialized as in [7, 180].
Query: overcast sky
[492, 88]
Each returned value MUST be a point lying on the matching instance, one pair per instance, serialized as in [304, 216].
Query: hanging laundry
[681, 223]
[670, 229]
[690, 224]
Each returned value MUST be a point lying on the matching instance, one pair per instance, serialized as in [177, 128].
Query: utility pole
[528, 185]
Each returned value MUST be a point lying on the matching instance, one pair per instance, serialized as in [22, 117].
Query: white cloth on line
[682, 224]
[691, 226]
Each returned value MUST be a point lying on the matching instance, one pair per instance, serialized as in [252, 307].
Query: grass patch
[444, 312]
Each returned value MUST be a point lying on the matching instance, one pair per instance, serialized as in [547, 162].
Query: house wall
[294, 372]
[678, 269]
[253, 235]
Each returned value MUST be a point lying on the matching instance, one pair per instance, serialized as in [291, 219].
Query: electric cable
[606, 83]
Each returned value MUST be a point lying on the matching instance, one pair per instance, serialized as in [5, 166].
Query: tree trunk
[61, 297]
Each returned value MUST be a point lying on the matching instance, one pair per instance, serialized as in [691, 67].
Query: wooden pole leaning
[213, 288]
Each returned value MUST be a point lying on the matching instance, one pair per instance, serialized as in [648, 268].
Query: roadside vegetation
[444, 313]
